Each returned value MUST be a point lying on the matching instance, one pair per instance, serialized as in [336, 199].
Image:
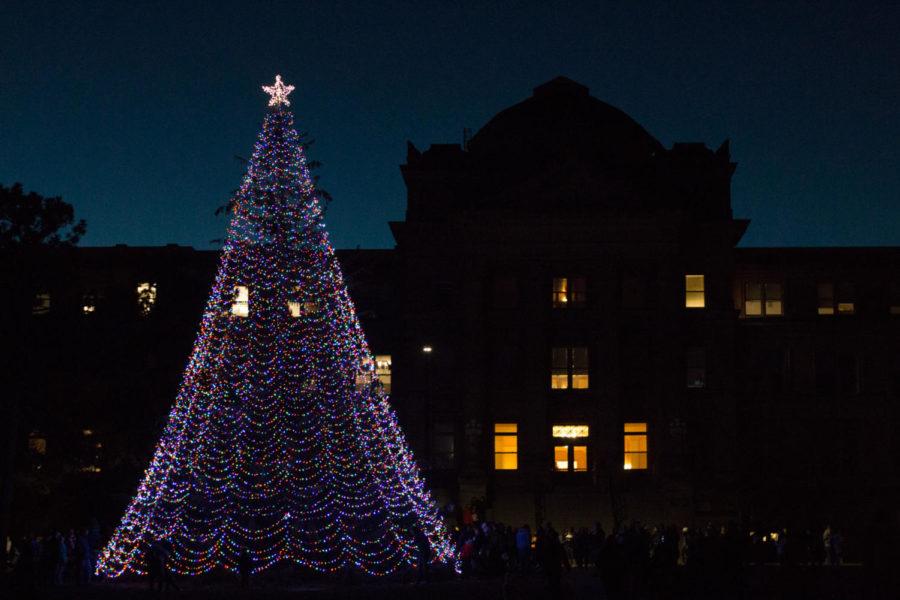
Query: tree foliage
[31, 220]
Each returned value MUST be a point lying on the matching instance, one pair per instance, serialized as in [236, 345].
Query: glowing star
[279, 92]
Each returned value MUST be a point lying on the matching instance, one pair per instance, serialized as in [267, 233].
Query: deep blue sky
[134, 111]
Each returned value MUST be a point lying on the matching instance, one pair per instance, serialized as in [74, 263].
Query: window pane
[635, 443]
[578, 291]
[694, 283]
[695, 291]
[506, 462]
[383, 371]
[635, 427]
[579, 458]
[826, 298]
[561, 457]
[580, 381]
[753, 308]
[635, 461]
[845, 308]
[560, 292]
[241, 305]
[580, 358]
[506, 443]
[41, 304]
[146, 297]
[570, 431]
[295, 309]
[754, 291]
[560, 360]
[559, 375]
[559, 380]
[773, 299]
[506, 427]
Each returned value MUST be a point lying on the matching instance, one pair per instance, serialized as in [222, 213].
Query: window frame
[764, 299]
[240, 306]
[575, 439]
[691, 293]
[504, 431]
[636, 431]
[572, 373]
[570, 295]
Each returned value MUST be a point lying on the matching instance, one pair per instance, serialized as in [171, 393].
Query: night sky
[134, 112]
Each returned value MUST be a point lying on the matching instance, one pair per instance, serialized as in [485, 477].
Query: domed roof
[562, 120]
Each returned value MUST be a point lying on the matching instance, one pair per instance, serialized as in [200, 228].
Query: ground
[770, 582]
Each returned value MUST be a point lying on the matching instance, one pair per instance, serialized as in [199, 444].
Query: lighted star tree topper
[281, 441]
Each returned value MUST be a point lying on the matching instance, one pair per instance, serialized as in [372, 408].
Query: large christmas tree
[281, 442]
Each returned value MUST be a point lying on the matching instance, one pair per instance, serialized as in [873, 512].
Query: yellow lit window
[561, 457]
[241, 305]
[763, 299]
[635, 446]
[88, 304]
[506, 446]
[37, 443]
[569, 368]
[41, 304]
[570, 456]
[569, 291]
[845, 299]
[146, 297]
[570, 431]
[826, 298]
[560, 292]
[301, 309]
[383, 371]
[694, 291]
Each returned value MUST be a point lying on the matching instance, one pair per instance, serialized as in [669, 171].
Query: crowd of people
[55, 558]
[636, 555]
[629, 557]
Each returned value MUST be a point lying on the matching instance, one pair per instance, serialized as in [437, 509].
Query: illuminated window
[146, 297]
[241, 305]
[894, 307]
[506, 446]
[845, 299]
[570, 431]
[37, 443]
[695, 362]
[635, 446]
[763, 299]
[569, 449]
[569, 291]
[383, 371]
[88, 304]
[826, 298]
[569, 368]
[694, 291]
[842, 303]
[41, 304]
[443, 445]
[301, 309]
[365, 375]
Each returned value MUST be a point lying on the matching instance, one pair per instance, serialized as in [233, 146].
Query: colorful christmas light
[281, 441]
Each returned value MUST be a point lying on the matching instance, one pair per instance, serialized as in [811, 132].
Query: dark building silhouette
[568, 330]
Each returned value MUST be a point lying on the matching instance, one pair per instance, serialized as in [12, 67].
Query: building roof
[562, 120]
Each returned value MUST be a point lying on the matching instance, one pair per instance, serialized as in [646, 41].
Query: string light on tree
[281, 442]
